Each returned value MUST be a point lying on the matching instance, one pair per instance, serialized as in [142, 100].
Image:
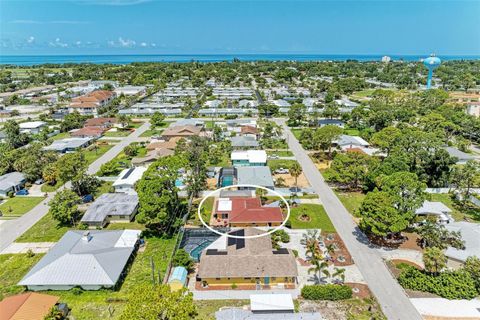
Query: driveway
[12, 229]
[386, 289]
[23, 247]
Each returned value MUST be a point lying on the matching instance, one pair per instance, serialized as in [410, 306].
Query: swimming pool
[196, 252]
[227, 181]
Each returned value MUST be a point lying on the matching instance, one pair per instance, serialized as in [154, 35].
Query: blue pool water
[195, 253]
[227, 181]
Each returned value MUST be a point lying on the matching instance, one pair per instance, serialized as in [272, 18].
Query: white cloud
[153, 44]
[122, 43]
[58, 43]
[143, 44]
[31, 39]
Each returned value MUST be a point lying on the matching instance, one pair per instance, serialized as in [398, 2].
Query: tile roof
[250, 210]
[98, 122]
[88, 132]
[185, 131]
[27, 306]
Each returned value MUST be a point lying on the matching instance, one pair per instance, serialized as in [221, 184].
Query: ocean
[126, 59]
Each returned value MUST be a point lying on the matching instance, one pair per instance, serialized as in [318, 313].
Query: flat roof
[271, 302]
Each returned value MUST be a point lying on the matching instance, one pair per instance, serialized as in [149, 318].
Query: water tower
[431, 63]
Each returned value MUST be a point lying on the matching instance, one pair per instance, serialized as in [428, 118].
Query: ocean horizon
[31, 60]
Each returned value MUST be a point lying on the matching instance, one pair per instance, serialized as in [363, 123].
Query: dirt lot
[347, 309]
[289, 181]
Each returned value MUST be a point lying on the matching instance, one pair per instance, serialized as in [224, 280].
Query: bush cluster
[326, 292]
[449, 284]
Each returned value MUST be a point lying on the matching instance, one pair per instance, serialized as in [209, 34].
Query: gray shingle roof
[118, 204]
[11, 179]
[244, 141]
[255, 175]
[74, 261]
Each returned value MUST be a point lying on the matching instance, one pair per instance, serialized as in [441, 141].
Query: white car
[281, 171]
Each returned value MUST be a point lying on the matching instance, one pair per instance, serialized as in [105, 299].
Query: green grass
[118, 133]
[281, 153]
[61, 135]
[17, 206]
[297, 132]
[104, 188]
[151, 132]
[45, 230]
[446, 199]
[351, 132]
[279, 163]
[123, 226]
[206, 308]
[13, 268]
[351, 201]
[92, 305]
[94, 153]
[318, 218]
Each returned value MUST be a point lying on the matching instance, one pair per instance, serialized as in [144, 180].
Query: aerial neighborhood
[268, 190]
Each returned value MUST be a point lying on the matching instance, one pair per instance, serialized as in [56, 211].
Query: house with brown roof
[182, 132]
[89, 103]
[88, 132]
[31, 306]
[249, 131]
[249, 263]
[245, 212]
[100, 122]
[152, 156]
[170, 144]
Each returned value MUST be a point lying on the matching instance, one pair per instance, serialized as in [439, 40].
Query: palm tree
[339, 272]
[319, 268]
[296, 171]
[311, 241]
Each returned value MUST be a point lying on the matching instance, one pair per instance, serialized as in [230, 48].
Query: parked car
[23, 192]
[87, 198]
[274, 156]
[281, 171]
[39, 181]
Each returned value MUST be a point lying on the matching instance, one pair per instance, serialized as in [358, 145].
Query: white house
[12, 181]
[127, 179]
[249, 158]
[434, 208]
[131, 90]
[32, 127]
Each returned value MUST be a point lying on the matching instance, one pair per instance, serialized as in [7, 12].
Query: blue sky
[239, 26]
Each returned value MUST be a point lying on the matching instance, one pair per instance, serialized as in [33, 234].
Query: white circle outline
[243, 237]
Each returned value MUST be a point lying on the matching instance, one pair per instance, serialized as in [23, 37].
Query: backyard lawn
[315, 217]
[61, 135]
[278, 163]
[49, 188]
[281, 153]
[12, 269]
[94, 153]
[17, 206]
[151, 132]
[351, 201]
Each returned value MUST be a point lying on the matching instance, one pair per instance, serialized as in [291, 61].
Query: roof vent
[86, 236]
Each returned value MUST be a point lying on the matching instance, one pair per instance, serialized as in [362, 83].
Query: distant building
[88, 132]
[386, 59]
[331, 122]
[88, 259]
[88, 104]
[181, 132]
[435, 209]
[244, 142]
[131, 90]
[68, 144]
[32, 127]
[127, 179]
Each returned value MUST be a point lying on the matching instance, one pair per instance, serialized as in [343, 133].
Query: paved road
[12, 229]
[388, 292]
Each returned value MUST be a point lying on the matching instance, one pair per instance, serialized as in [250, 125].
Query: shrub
[449, 284]
[77, 291]
[295, 253]
[326, 292]
[182, 259]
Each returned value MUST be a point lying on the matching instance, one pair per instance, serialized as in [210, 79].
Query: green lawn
[61, 135]
[351, 201]
[12, 269]
[118, 133]
[45, 230]
[446, 199]
[123, 226]
[151, 132]
[92, 305]
[104, 188]
[351, 132]
[297, 132]
[207, 308]
[281, 153]
[317, 215]
[48, 188]
[94, 153]
[17, 206]
[278, 163]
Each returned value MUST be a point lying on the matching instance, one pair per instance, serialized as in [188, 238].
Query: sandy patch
[289, 181]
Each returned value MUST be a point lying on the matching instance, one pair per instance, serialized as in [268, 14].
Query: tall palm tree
[319, 267]
[296, 171]
[311, 241]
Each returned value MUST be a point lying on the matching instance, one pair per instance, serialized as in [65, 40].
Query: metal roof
[271, 302]
[118, 204]
[244, 141]
[255, 175]
[78, 259]
[10, 180]
[178, 274]
[471, 235]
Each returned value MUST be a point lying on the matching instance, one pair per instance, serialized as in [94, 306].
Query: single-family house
[181, 132]
[255, 175]
[27, 306]
[436, 209]
[249, 131]
[69, 144]
[32, 127]
[471, 236]
[88, 132]
[245, 212]
[331, 122]
[244, 142]
[178, 278]
[246, 262]
[188, 122]
[111, 207]
[11, 182]
[127, 179]
[346, 142]
[249, 158]
[170, 144]
[131, 90]
[152, 156]
[104, 123]
[88, 259]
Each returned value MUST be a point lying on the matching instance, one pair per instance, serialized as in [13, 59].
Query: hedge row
[327, 292]
[449, 284]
